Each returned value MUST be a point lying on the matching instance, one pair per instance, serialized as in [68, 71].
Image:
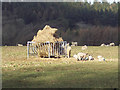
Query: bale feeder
[47, 49]
[47, 44]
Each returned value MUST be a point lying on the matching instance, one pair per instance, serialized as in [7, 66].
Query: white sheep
[81, 56]
[75, 56]
[68, 50]
[101, 58]
[19, 45]
[103, 44]
[84, 47]
[112, 44]
[90, 57]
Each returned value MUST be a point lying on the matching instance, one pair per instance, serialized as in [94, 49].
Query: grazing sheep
[19, 45]
[81, 56]
[90, 57]
[101, 58]
[74, 43]
[102, 44]
[75, 56]
[84, 47]
[112, 44]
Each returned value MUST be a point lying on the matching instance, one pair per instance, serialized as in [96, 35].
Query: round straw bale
[45, 35]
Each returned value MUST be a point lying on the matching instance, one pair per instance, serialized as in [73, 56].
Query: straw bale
[47, 34]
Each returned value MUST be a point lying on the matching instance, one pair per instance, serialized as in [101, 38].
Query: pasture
[20, 72]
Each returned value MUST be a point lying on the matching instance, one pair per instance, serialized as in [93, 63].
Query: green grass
[65, 73]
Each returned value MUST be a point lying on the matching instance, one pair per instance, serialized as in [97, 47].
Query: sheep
[103, 44]
[90, 57]
[68, 50]
[101, 58]
[81, 56]
[74, 43]
[84, 47]
[75, 56]
[19, 45]
[112, 44]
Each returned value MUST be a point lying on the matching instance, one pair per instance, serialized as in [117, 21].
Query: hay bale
[43, 50]
[43, 36]
[47, 34]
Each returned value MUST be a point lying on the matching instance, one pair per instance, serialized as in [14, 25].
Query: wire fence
[47, 49]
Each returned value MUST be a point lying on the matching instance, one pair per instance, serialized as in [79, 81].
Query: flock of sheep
[86, 56]
[111, 44]
[83, 56]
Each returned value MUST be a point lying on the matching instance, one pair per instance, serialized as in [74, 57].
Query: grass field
[17, 71]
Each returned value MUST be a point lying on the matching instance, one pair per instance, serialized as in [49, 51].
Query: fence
[47, 49]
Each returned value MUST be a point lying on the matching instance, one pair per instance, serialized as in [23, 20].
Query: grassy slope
[63, 72]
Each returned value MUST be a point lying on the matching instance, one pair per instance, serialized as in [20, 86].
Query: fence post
[59, 48]
[28, 49]
[53, 49]
[65, 49]
[49, 49]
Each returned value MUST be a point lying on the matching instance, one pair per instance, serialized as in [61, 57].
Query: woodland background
[86, 23]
